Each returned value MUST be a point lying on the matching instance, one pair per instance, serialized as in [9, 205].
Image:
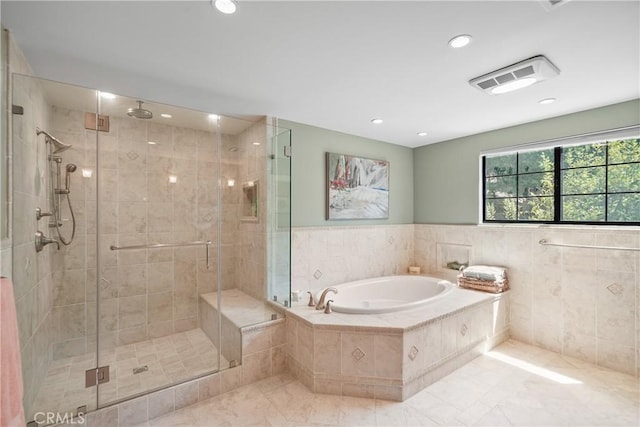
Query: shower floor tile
[168, 359]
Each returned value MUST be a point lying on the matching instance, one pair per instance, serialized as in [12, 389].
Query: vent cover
[553, 4]
[529, 71]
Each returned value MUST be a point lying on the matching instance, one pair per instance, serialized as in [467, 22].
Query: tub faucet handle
[321, 305]
[312, 303]
[327, 309]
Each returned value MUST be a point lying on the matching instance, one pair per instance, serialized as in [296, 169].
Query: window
[588, 183]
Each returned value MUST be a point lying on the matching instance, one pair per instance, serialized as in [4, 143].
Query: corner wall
[308, 199]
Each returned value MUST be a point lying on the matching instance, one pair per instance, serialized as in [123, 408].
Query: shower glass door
[157, 170]
[173, 228]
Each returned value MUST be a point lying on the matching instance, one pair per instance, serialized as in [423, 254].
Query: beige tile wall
[391, 362]
[578, 302]
[251, 238]
[325, 256]
[31, 272]
[581, 302]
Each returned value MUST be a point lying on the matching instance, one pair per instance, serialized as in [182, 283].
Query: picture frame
[356, 187]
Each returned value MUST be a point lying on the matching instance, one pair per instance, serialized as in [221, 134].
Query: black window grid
[558, 194]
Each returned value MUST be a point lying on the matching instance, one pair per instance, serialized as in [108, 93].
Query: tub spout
[321, 304]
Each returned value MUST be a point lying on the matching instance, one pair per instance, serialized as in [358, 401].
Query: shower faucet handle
[40, 214]
[41, 241]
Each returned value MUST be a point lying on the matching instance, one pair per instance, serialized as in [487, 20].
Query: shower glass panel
[54, 280]
[246, 221]
[279, 277]
[158, 202]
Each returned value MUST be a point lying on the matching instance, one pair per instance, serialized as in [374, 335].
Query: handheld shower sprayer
[67, 178]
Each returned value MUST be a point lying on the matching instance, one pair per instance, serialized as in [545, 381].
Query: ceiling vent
[516, 76]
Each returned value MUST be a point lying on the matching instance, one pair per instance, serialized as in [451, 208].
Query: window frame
[630, 132]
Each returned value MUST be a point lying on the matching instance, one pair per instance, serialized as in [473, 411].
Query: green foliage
[510, 209]
[584, 155]
[583, 181]
[491, 211]
[624, 151]
[500, 165]
[585, 170]
[583, 208]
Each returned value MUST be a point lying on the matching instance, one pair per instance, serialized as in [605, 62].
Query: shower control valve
[40, 214]
[41, 241]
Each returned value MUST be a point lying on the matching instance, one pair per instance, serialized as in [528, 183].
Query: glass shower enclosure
[145, 237]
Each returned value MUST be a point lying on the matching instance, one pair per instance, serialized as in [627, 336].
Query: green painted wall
[308, 174]
[446, 175]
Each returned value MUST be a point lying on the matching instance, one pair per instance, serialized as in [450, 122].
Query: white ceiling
[338, 64]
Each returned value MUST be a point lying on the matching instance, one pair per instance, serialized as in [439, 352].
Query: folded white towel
[485, 272]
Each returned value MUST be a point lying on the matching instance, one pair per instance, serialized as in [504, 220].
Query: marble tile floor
[169, 359]
[515, 384]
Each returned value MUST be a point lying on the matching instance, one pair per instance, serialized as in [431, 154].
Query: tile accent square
[413, 353]
[615, 288]
[464, 329]
[358, 354]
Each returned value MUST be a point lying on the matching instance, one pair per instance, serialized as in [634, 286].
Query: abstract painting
[357, 188]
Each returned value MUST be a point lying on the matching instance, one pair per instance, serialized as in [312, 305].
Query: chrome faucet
[321, 304]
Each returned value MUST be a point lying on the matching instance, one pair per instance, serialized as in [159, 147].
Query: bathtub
[387, 294]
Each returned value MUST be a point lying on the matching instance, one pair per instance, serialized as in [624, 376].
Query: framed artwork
[357, 187]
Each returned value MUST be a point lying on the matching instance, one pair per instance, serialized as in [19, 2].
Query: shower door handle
[205, 243]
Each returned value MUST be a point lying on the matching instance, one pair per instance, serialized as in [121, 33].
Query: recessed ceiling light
[256, 143]
[107, 95]
[376, 121]
[151, 142]
[225, 6]
[547, 101]
[166, 116]
[422, 134]
[213, 117]
[460, 41]
[513, 85]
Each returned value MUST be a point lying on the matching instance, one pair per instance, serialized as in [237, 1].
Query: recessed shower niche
[249, 203]
[156, 236]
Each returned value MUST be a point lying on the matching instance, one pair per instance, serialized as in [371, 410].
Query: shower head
[139, 112]
[70, 168]
[50, 139]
